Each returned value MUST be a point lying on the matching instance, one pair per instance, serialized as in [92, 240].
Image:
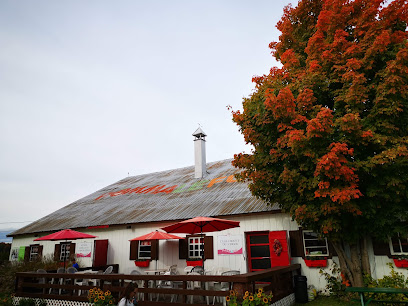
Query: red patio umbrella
[156, 235]
[201, 225]
[66, 234]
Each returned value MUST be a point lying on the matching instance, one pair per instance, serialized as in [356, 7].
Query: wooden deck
[279, 280]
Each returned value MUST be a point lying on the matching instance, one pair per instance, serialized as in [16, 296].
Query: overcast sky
[93, 90]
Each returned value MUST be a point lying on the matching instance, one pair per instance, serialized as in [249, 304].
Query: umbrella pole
[202, 247]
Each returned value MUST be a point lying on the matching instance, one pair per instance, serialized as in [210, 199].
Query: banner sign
[230, 245]
[83, 249]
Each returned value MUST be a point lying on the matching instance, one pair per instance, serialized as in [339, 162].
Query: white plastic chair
[139, 283]
[193, 285]
[57, 280]
[226, 286]
[188, 269]
[42, 280]
[166, 285]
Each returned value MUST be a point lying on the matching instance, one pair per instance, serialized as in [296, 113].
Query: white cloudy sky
[93, 90]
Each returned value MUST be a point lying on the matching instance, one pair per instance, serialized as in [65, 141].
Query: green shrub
[27, 302]
[6, 299]
[393, 280]
[9, 269]
[336, 284]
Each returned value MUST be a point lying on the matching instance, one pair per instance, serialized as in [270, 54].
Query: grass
[329, 301]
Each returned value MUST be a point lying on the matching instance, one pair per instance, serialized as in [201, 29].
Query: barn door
[267, 249]
[100, 257]
[278, 241]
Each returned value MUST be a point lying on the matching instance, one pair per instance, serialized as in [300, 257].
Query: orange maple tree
[329, 127]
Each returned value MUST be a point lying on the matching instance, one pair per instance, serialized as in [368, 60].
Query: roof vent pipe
[199, 153]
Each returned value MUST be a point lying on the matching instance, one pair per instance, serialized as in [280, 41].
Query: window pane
[404, 245]
[258, 239]
[309, 235]
[261, 263]
[316, 251]
[260, 251]
[311, 243]
[396, 245]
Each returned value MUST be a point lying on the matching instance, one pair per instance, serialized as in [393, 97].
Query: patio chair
[226, 286]
[57, 280]
[198, 269]
[173, 268]
[193, 285]
[188, 269]
[108, 270]
[42, 280]
[166, 285]
[139, 283]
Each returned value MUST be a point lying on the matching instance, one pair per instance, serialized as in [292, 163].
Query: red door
[258, 250]
[267, 249]
[100, 253]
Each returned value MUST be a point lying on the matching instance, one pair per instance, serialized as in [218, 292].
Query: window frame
[34, 251]
[64, 254]
[399, 238]
[192, 254]
[305, 248]
[140, 248]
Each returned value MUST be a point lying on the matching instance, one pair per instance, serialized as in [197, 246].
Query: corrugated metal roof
[168, 195]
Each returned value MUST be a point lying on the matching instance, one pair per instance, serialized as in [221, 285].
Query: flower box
[316, 263]
[142, 263]
[194, 263]
[401, 263]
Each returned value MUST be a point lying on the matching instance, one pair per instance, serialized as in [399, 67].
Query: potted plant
[194, 262]
[316, 261]
[400, 261]
[142, 262]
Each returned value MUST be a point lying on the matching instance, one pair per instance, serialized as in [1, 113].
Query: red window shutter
[134, 248]
[183, 245]
[72, 251]
[155, 250]
[57, 252]
[277, 240]
[208, 247]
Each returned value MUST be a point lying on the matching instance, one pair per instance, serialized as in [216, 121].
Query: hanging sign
[83, 249]
[230, 245]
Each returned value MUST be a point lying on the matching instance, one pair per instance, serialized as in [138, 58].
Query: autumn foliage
[329, 127]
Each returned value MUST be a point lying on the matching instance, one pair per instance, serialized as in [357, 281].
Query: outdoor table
[156, 271]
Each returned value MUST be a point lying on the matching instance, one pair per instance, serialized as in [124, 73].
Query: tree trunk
[356, 266]
[365, 261]
[351, 265]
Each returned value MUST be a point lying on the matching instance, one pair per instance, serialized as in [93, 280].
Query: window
[145, 250]
[65, 251]
[313, 245]
[399, 245]
[33, 252]
[195, 247]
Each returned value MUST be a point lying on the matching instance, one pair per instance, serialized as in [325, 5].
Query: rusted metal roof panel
[161, 196]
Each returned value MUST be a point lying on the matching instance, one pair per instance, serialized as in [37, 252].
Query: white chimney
[199, 153]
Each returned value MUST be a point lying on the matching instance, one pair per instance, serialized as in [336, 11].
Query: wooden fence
[279, 280]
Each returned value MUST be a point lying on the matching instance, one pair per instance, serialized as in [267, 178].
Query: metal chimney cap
[199, 133]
